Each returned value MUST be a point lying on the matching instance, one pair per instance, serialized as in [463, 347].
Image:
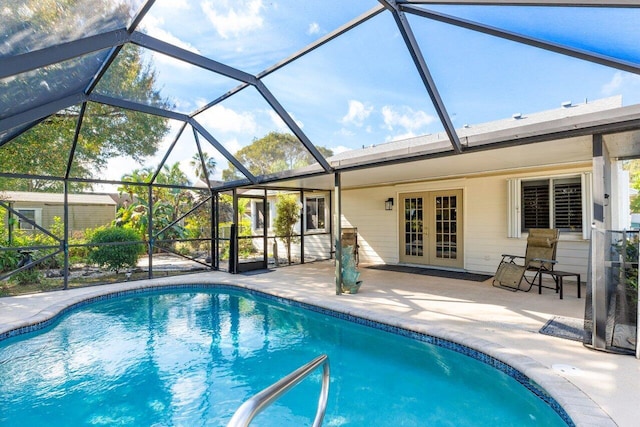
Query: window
[315, 213]
[33, 215]
[552, 203]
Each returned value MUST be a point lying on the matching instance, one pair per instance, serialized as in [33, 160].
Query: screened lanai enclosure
[145, 138]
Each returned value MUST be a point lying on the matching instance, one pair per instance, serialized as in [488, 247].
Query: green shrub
[30, 276]
[116, 257]
[9, 260]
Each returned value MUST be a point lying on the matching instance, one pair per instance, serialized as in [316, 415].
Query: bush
[30, 276]
[9, 260]
[116, 257]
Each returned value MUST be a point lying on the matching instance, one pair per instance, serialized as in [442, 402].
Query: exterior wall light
[388, 204]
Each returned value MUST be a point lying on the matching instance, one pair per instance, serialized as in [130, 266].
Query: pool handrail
[252, 407]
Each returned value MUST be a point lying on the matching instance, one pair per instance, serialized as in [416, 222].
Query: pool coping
[579, 407]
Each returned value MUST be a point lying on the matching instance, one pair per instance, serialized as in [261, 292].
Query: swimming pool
[192, 357]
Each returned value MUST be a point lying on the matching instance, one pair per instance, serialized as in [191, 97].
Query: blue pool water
[191, 358]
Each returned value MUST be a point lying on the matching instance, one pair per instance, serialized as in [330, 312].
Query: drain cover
[566, 369]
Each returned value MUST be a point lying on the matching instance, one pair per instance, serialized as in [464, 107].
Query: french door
[431, 228]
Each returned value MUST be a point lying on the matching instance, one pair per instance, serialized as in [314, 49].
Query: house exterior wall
[484, 220]
[81, 217]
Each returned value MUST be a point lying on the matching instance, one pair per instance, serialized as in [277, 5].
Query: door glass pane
[413, 212]
[446, 227]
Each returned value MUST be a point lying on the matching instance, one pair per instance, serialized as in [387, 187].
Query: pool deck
[595, 388]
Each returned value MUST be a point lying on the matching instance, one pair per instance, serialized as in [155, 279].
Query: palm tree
[136, 175]
[209, 164]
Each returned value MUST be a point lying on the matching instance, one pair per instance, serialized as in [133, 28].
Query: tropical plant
[287, 215]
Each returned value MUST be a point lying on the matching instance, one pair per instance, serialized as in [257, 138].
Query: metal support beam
[598, 236]
[275, 104]
[559, 3]
[41, 111]
[192, 58]
[136, 106]
[9, 208]
[140, 14]
[423, 70]
[16, 132]
[65, 238]
[74, 144]
[530, 41]
[193, 122]
[203, 165]
[215, 238]
[12, 65]
[168, 153]
[309, 48]
[150, 243]
[337, 229]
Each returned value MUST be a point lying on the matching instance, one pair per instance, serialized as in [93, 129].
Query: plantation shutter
[567, 196]
[535, 204]
[513, 208]
[587, 205]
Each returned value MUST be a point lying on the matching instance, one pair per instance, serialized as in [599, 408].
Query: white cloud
[314, 28]
[180, 4]
[221, 119]
[618, 82]
[280, 125]
[406, 118]
[154, 27]
[357, 113]
[233, 17]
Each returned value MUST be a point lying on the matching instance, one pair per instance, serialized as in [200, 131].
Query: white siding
[317, 246]
[485, 222]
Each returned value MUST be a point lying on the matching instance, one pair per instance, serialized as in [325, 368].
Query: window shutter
[587, 205]
[535, 204]
[513, 208]
[567, 197]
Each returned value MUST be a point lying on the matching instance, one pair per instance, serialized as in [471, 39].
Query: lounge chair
[540, 255]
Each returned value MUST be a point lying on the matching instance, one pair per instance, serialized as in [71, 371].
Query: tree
[209, 164]
[106, 132]
[275, 152]
[168, 202]
[287, 215]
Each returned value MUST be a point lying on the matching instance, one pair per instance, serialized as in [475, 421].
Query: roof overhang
[565, 141]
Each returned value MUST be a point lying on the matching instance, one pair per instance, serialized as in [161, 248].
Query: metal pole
[150, 232]
[65, 238]
[303, 226]
[213, 246]
[265, 228]
[337, 224]
[234, 257]
[600, 241]
[10, 224]
[638, 309]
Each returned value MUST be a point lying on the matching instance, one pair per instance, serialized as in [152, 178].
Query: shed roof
[57, 198]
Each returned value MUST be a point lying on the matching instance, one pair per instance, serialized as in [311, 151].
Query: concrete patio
[595, 388]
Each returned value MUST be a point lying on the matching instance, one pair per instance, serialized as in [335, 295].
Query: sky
[362, 88]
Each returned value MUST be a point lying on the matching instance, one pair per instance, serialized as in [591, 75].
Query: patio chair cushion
[540, 242]
[509, 274]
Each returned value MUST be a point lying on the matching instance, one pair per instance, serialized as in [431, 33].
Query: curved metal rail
[252, 407]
